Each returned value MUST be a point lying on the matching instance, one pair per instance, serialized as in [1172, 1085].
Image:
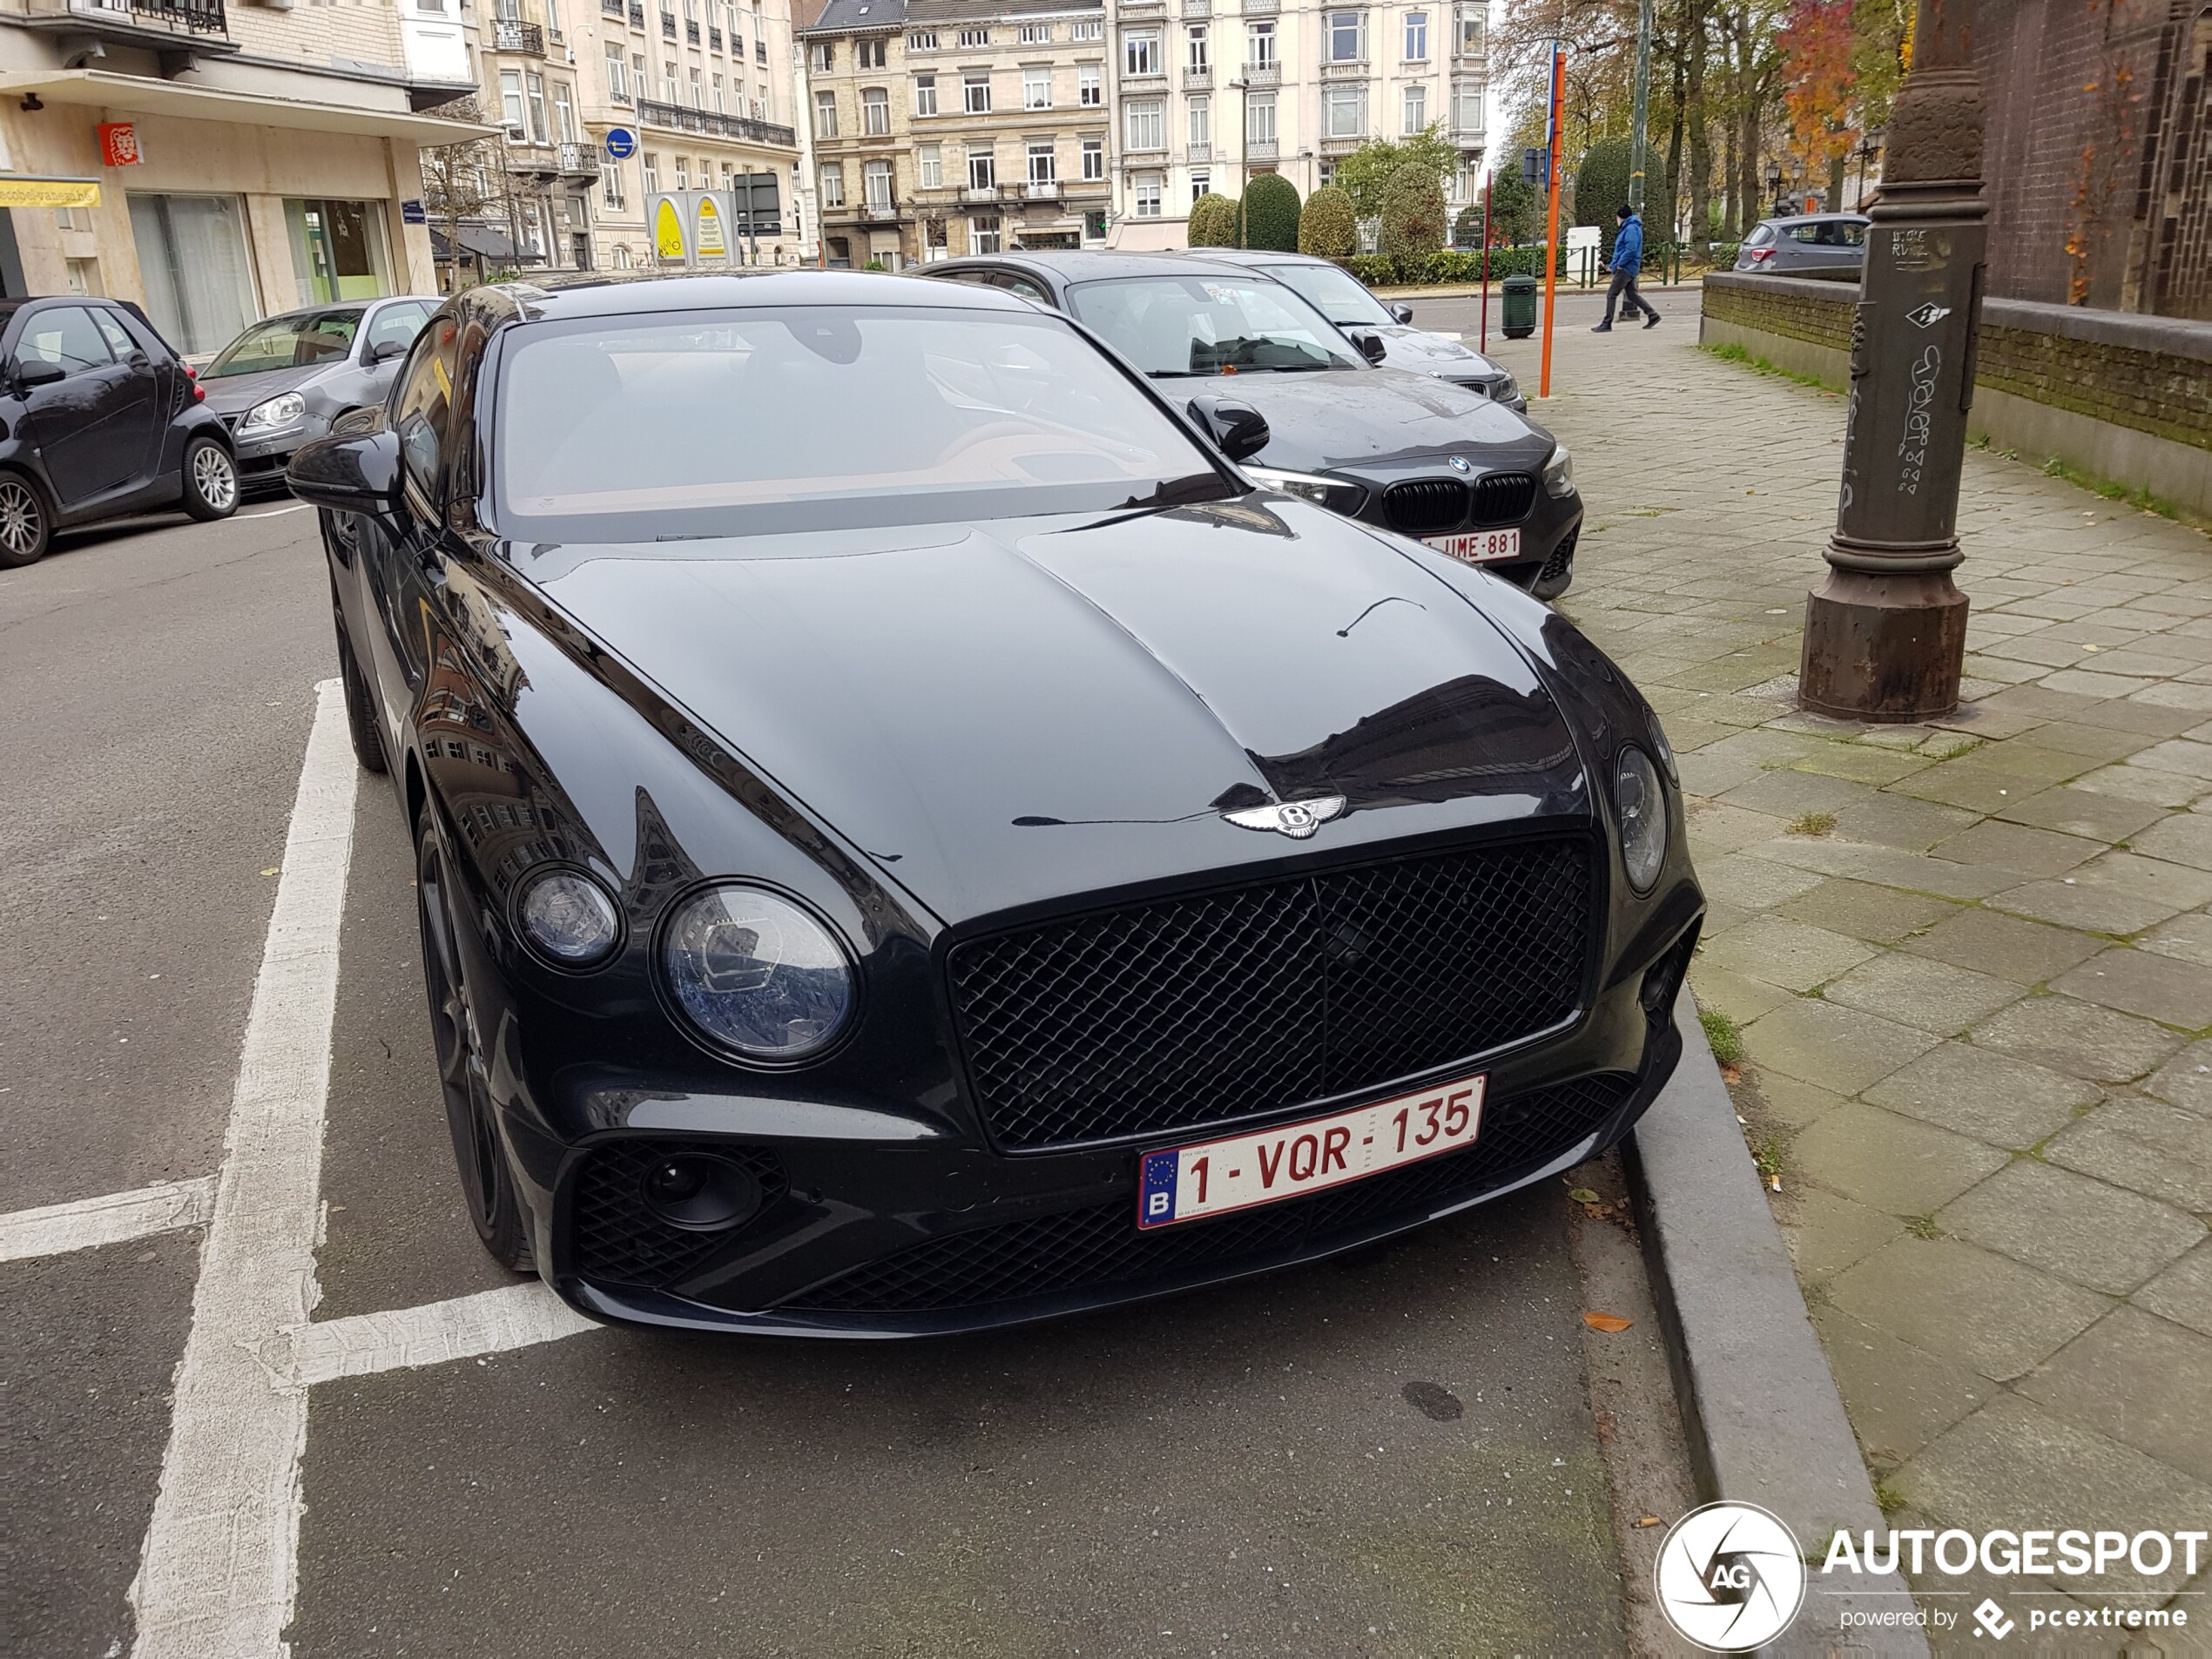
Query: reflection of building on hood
[1467, 736]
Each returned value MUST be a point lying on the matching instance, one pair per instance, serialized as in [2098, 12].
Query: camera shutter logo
[1729, 1577]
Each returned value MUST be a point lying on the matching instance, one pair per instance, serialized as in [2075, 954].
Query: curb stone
[1761, 1413]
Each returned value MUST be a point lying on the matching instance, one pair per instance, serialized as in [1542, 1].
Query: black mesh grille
[1424, 506]
[1083, 1249]
[1503, 497]
[1196, 1010]
[1562, 558]
[619, 1241]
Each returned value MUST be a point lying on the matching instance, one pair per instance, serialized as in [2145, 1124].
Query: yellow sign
[668, 230]
[48, 192]
[710, 243]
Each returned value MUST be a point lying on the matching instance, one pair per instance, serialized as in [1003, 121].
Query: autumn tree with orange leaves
[1817, 81]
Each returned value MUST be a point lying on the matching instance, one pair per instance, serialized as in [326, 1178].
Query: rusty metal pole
[1885, 633]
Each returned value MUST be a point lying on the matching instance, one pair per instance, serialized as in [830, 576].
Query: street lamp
[1242, 88]
[1885, 632]
[1870, 145]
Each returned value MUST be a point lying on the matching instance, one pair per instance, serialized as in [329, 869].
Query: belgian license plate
[1478, 546]
[1184, 1183]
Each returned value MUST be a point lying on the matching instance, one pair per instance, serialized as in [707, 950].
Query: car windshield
[776, 420]
[1174, 325]
[1336, 293]
[296, 340]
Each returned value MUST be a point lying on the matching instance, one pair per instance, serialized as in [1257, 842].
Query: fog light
[699, 1192]
[1662, 979]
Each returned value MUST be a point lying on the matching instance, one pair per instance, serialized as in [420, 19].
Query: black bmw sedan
[911, 839]
[1417, 455]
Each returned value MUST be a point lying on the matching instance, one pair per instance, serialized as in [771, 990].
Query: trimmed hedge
[1271, 214]
[1213, 222]
[1413, 224]
[1328, 227]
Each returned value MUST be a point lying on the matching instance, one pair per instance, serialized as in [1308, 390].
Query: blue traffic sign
[621, 142]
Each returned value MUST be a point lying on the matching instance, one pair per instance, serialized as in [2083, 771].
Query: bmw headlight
[1333, 493]
[756, 973]
[1559, 472]
[1504, 389]
[272, 413]
[569, 919]
[1642, 805]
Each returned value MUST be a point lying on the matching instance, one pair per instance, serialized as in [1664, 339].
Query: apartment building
[1208, 92]
[945, 127]
[212, 160]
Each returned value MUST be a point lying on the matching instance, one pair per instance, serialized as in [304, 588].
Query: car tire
[487, 1179]
[210, 480]
[361, 709]
[26, 526]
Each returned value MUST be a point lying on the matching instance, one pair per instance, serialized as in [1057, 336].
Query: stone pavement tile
[2140, 1379]
[2042, 647]
[2091, 684]
[2142, 1144]
[1784, 953]
[2183, 1293]
[1899, 1396]
[2018, 847]
[1968, 1305]
[2188, 937]
[1837, 1048]
[1716, 775]
[2093, 1235]
[2176, 754]
[1791, 1102]
[1990, 941]
[2139, 981]
[1861, 763]
[1738, 995]
[2185, 1080]
[2002, 670]
[1889, 820]
[2096, 742]
[2187, 694]
[1714, 826]
[1886, 866]
[1895, 1164]
[2186, 838]
[2080, 811]
[2146, 713]
[2068, 902]
[1762, 745]
[2079, 1038]
[1827, 1234]
[1975, 788]
[2034, 704]
[1991, 1096]
[1758, 884]
[1921, 991]
[1787, 794]
[2016, 1465]
[2159, 879]
[1864, 911]
[2140, 783]
[1685, 733]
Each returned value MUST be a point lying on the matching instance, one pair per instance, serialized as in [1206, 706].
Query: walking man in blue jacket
[1628, 260]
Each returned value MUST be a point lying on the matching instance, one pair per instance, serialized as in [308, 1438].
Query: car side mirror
[38, 371]
[355, 473]
[384, 350]
[1370, 345]
[1238, 428]
[1404, 314]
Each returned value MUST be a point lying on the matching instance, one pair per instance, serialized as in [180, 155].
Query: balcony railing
[578, 160]
[980, 193]
[512, 35]
[1041, 190]
[1197, 10]
[880, 212]
[1196, 80]
[1198, 152]
[611, 8]
[194, 16]
[713, 124]
[1260, 149]
[1261, 8]
[636, 14]
[1263, 75]
[690, 32]
[714, 38]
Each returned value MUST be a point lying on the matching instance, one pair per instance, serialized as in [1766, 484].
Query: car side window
[1851, 233]
[1021, 285]
[64, 335]
[395, 324]
[118, 337]
[1805, 233]
[423, 394]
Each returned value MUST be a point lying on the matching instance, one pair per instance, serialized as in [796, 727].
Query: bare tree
[464, 180]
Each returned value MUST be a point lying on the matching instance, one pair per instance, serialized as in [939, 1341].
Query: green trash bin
[1520, 307]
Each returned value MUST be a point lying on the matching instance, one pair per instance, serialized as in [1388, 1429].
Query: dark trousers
[1623, 292]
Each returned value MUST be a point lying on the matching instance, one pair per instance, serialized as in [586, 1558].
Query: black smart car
[1415, 454]
[910, 839]
[99, 419]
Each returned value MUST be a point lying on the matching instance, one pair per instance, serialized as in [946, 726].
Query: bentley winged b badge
[1296, 818]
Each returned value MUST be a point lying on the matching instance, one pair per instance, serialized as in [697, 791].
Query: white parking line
[112, 1218]
[218, 1570]
[515, 1315]
[278, 512]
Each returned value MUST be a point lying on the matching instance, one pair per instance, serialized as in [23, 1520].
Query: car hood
[1004, 714]
[1359, 421]
[1428, 353]
[235, 394]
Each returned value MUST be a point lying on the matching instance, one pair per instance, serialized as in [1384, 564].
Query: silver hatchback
[1806, 244]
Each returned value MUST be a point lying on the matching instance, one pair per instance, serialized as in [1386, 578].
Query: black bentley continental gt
[911, 839]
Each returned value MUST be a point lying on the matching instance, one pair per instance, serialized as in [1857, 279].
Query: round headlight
[281, 410]
[757, 974]
[1643, 818]
[570, 920]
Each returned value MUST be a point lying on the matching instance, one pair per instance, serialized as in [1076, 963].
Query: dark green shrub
[1412, 217]
[1376, 270]
[1600, 187]
[1467, 229]
[1271, 214]
[1213, 222]
[1327, 228]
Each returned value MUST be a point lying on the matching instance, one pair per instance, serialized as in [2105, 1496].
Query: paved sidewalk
[1972, 962]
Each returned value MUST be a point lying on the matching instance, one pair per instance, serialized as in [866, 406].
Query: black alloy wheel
[210, 480]
[25, 526]
[360, 710]
[486, 1184]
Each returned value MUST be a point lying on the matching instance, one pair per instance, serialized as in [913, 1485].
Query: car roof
[1816, 218]
[727, 291]
[1072, 265]
[1255, 256]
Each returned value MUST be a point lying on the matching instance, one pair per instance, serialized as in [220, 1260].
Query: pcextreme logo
[1729, 1577]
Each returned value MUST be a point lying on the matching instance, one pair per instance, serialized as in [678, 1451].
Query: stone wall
[2121, 396]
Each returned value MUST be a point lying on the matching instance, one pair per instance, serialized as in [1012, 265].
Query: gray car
[1348, 302]
[287, 377]
[1806, 244]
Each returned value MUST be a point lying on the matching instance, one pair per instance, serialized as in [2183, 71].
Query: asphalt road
[1394, 1453]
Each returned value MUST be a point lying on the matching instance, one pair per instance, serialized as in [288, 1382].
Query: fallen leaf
[271, 871]
[1608, 1322]
[1582, 1195]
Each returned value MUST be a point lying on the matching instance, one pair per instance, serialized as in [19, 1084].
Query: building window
[729, 176]
[719, 106]
[869, 54]
[975, 93]
[825, 115]
[1259, 45]
[1346, 36]
[1198, 53]
[1044, 162]
[1094, 159]
[876, 183]
[982, 170]
[337, 249]
[1036, 89]
[1143, 125]
[983, 235]
[1471, 22]
[1086, 29]
[1416, 108]
[668, 82]
[925, 95]
[923, 40]
[650, 163]
[698, 88]
[510, 101]
[1200, 184]
[1466, 106]
[1259, 118]
[1035, 34]
[975, 36]
[563, 112]
[1141, 53]
[1201, 134]
[1344, 112]
[618, 76]
[821, 55]
[1416, 37]
[931, 160]
[875, 112]
[1145, 187]
[833, 184]
[610, 183]
[682, 172]
[192, 254]
[537, 85]
[1089, 93]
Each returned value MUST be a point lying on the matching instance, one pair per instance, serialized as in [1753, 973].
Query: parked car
[1350, 303]
[99, 419]
[909, 838]
[1409, 452]
[1805, 245]
[287, 377]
